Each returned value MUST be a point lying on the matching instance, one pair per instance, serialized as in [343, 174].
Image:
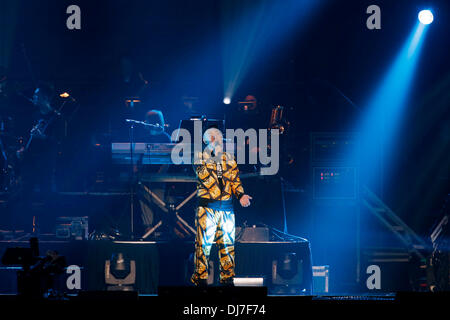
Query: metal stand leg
[132, 182]
[165, 208]
[149, 232]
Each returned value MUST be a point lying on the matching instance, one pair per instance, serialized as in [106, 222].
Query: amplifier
[335, 147]
[387, 270]
[335, 183]
[252, 234]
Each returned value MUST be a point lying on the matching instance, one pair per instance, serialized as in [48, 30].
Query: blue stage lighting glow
[254, 30]
[379, 124]
[426, 17]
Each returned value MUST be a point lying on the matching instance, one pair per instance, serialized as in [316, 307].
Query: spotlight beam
[379, 124]
[251, 33]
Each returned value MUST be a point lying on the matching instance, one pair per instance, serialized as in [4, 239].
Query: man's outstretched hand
[245, 200]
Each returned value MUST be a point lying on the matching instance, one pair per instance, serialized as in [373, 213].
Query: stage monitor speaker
[18, 256]
[252, 234]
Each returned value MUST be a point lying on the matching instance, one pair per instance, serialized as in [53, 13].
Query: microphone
[144, 123]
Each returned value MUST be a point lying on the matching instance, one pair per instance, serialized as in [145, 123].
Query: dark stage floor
[229, 303]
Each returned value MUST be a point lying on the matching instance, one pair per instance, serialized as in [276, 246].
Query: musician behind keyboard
[154, 133]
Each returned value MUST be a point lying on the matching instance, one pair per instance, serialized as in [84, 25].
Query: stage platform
[161, 264]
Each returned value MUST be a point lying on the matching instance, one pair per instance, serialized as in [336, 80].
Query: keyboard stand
[169, 209]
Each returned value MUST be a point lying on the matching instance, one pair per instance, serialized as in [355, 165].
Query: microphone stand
[132, 175]
[131, 133]
[143, 123]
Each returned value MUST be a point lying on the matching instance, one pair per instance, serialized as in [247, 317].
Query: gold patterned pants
[214, 226]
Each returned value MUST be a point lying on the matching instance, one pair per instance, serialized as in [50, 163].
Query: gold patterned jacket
[209, 185]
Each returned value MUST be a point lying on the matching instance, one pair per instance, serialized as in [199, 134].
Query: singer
[218, 180]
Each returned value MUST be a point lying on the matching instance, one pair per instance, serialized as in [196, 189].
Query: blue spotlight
[425, 17]
[226, 100]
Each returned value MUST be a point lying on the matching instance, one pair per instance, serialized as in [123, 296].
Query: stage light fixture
[425, 17]
[64, 95]
[226, 100]
[287, 274]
